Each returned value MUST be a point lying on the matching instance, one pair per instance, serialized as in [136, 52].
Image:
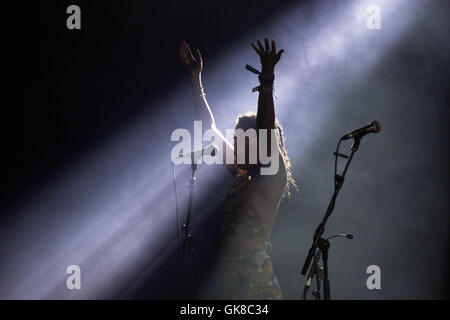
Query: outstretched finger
[189, 52]
[266, 43]
[180, 48]
[183, 50]
[256, 49]
[274, 48]
[198, 56]
[261, 48]
[182, 53]
[279, 54]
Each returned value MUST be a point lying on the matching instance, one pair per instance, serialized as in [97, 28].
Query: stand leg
[188, 267]
[324, 245]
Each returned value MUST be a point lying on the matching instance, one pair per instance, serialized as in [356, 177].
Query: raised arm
[202, 111]
[194, 66]
[269, 57]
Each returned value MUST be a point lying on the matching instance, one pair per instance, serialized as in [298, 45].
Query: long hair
[247, 121]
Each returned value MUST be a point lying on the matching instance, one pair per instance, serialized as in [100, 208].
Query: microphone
[344, 235]
[374, 127]
[210, 150]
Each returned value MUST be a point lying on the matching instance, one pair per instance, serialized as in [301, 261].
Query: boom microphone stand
[316, 270]
[187, 237]
[188, 265]
[318, 241]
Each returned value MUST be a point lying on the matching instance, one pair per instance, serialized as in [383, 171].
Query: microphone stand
[187, 237]
[316, 271]
[318, 241]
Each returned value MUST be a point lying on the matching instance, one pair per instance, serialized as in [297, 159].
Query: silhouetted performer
[245, 270]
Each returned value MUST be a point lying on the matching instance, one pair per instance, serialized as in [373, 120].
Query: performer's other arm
[202, 111]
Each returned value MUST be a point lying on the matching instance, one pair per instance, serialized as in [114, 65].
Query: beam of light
[325, 58]
[110, 215]
[116, 210]
[335, 43]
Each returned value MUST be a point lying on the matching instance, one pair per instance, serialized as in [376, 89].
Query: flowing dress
[245, 267]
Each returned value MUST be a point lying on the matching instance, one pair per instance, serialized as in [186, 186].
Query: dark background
[68, 92]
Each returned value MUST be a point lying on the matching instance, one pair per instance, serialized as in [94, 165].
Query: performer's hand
[269, 57]
[192, 62]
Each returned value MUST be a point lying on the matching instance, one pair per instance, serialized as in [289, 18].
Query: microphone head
[376, 126]
[349, 236]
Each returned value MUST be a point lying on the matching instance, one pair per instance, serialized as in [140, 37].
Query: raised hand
[269, 56]
[192, 62]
